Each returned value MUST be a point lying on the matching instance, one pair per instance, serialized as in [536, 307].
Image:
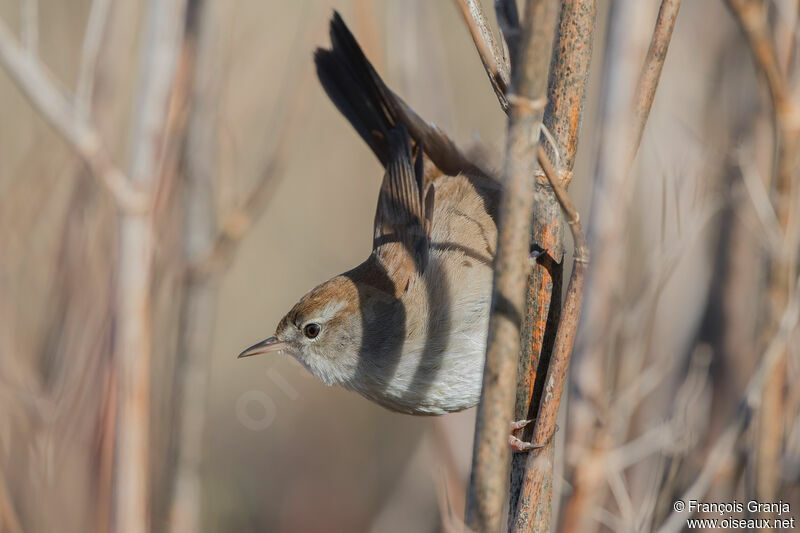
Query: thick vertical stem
[491, 453]
[568, 79]
[133, 341]
[133, 361]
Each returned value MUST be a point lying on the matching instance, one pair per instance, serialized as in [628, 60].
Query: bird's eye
[311, 330]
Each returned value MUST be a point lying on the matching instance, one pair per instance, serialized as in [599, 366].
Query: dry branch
[566, 95]
[238, 221]
[490, 53]
[46, 95]
[208, 249]
[539, 472]
[752, 18]
[626, 91]
[653, 64]
[199, 158]
[133, 343]
[581, 254]
[750, 404]
[490, 457]
[90, 52]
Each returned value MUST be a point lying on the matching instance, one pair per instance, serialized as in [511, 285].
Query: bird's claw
[519, 424]
[519, 445]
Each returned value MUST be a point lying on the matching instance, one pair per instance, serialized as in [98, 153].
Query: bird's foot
[519, 445]
[519, 424]
[534, 255]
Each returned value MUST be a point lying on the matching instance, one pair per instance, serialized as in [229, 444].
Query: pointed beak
[271, 345]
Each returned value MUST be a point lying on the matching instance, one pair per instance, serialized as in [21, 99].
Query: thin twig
[651, 71]
[759, 197]
[44, 92]
[237, 222]
[491, 55]
[489, 477]
[751, 16]
[30, 26]
[581, 253]
[626, 38]
[90, 51]
[750, 404]
[753, 20]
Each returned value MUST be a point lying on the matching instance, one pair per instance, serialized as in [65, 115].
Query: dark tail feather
[371, 107]
[356, 89]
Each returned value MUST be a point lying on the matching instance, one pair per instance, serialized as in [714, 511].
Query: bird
[407, 328]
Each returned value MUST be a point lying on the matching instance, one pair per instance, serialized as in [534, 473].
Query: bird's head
[324, 331]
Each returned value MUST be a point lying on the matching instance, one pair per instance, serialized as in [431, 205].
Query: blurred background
[263, 190]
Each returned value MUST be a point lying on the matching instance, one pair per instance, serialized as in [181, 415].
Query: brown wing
[402, 219]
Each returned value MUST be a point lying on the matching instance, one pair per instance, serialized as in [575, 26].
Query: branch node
[525, 106]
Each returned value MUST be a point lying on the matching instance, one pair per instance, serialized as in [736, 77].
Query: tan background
[328, 460]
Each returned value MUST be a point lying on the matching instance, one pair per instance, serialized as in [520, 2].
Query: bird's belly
[452, 384]
[441, 369]
[439, 373]
[457, 385]
[438, 367]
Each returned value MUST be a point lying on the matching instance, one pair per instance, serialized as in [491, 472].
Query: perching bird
[407, 327]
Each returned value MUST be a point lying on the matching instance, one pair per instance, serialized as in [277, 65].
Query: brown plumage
[407, 327]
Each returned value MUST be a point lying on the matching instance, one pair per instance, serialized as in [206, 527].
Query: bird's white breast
[440, 366]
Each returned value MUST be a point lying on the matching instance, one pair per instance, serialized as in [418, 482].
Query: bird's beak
[271, 345]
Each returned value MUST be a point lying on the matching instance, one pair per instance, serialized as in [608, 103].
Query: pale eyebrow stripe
[327, 312]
